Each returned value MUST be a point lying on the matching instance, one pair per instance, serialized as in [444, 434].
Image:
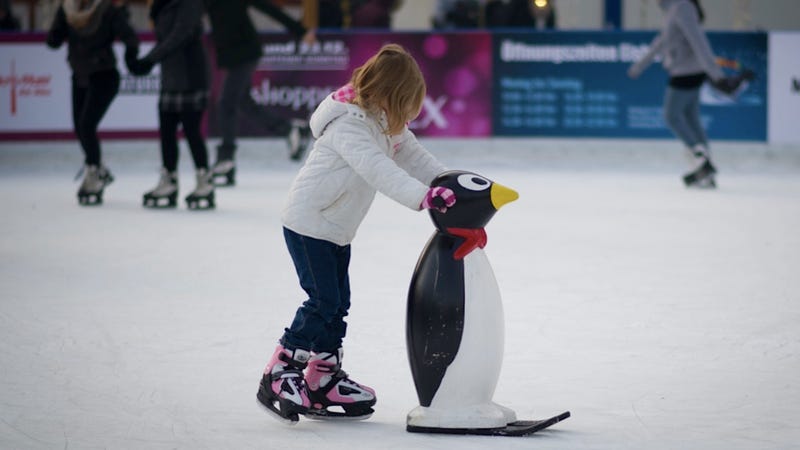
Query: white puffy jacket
[350, 161]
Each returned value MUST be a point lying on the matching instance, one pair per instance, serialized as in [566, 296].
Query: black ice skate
[95, 179]
[333, 394]
[165, 194]
[203, 195]
[224, 173]
[282, 389]
[298, 139]
[702, 177]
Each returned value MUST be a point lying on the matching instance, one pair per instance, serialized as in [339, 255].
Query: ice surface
[661, 317]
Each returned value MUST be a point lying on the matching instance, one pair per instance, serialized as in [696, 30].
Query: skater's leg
[676, 102]
[693, 120]
[103, 87]
[79, 94]
[235, 87]
[168, 134]
[190, 120]
[321, 266]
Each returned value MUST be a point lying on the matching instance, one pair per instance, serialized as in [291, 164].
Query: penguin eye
[473, 182]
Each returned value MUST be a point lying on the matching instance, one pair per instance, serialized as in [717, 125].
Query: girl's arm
[638, 67]
[59, 30]
[124, 31]
[358, 147]
[415, 159]
[293, 26]
[183, 31]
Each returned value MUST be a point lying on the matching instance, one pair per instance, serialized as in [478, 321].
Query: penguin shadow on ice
[454, 319]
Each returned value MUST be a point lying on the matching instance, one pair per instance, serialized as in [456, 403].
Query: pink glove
[439, 198]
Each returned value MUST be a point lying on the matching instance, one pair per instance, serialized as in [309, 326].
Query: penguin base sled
[517, 428]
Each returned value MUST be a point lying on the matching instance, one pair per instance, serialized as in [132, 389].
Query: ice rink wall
[480, 84]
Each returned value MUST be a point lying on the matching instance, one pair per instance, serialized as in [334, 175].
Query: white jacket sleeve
[358, 147]
[416, 159]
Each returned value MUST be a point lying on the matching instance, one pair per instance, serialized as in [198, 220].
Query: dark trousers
[89, 104]
[235, 98]
[168, 129]
[322, 267]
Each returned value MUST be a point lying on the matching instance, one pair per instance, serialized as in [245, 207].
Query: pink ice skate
[333, 395]
[282, 390]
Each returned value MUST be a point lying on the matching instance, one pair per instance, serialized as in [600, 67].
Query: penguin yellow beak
[502, 195]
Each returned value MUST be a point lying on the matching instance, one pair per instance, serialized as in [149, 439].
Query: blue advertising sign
[575, 84]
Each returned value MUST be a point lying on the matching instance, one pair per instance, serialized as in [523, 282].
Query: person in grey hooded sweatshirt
[688, 58]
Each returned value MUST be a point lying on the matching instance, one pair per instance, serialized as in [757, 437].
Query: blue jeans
[322, 268]
[682, 114]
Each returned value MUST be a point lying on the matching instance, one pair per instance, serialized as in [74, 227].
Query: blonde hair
[390, 81]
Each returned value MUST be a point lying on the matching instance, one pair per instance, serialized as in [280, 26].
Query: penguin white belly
[464, 397]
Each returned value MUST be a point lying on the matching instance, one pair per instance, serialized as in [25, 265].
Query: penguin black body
[454, 321]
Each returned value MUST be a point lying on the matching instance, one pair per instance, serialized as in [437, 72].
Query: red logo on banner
[25, 85]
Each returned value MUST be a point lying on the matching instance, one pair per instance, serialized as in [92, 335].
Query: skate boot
[282, 390]
[332, 393]
[95, 179]
[702, 172]
[165, 194]
[298, 139]
[223, 173]
[203, 195]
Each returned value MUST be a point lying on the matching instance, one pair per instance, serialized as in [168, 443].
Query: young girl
[363, 146]
[90, 28]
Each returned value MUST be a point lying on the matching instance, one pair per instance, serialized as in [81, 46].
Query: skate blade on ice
[279, 409]
[198, 203]
[336, 413]
[92, 199]
[159, 202]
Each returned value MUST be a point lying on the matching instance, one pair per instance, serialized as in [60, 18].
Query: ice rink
[661, 317]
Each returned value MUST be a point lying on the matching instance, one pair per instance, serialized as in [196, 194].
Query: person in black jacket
[182, 100]
[8, 21]
[90, 27]
[238, 50]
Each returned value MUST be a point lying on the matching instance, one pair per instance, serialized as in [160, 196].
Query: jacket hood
[328, 111]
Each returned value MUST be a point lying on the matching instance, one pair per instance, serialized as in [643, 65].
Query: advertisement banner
[36, 94]
[292, 78]
[784, 87]
[576, 85]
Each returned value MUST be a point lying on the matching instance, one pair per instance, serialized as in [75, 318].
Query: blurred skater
[688, 59]
[8, 21]
[90, 28]
[347, 14]
[183, 98]
[363, 146]
[238, 50]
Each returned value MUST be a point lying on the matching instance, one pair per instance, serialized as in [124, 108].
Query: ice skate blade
[518, 428]
[322, 414]
[200, 203]
[90, 199]
[279, 409]
[170, 201]
[277, 417]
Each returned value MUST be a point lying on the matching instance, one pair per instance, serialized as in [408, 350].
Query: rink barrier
[480, 84]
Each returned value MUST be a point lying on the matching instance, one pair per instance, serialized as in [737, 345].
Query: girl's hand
[439, 198]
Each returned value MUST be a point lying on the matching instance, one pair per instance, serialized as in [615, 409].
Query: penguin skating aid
[454, 322]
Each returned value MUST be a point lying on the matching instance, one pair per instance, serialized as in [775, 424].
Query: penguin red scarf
[473, 238]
